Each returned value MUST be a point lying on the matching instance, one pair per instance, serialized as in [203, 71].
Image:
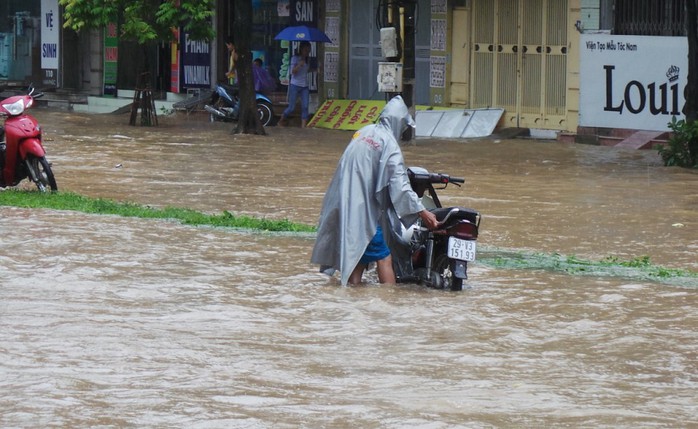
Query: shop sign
[49, 41]
[347, 114]
[195, 71]
[303, 12]
[111, 59]
[633, 82]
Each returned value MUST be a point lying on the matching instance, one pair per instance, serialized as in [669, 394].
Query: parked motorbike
[437, 258]
[22, 154]
[225, 105]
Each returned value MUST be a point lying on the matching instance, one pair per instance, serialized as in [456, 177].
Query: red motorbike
[22, 154]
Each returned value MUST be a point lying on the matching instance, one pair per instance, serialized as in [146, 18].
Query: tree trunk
[248, 119]
[690, 109]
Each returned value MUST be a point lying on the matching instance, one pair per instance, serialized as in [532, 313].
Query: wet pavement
[119, 322]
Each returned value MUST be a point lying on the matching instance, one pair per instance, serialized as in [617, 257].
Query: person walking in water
[367, 200]
[298, 85]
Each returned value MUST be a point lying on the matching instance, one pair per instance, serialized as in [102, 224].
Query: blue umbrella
[302, 32]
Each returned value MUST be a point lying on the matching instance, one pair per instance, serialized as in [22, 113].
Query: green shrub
[682, 148]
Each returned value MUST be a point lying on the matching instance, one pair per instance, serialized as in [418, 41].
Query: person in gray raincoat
[369, 196]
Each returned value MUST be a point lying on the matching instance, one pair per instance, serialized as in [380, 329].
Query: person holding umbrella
[298, 85]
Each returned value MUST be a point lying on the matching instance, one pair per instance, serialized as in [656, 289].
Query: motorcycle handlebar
[445, 178]
[31, 90]
[420, 176]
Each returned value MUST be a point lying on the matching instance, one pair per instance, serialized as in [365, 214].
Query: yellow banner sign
[347, 114]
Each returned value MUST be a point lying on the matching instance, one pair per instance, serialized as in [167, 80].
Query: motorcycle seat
[232, 89]
[462, 213]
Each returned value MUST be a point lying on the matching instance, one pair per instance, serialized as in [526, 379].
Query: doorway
[519, 60]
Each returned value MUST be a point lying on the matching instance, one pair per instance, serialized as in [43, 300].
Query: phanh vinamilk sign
[633, 82]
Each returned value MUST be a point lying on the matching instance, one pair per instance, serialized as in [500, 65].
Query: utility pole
[401, 16]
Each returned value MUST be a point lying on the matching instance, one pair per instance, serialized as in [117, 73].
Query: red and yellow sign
[347, 114]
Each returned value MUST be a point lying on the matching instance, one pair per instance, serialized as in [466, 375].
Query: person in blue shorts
[367, 200]
[376, 251]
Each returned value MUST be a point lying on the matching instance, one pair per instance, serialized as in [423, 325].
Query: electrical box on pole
[389, 47]
[389, 77]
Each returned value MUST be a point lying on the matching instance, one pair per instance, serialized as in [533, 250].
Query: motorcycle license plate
[463, 250]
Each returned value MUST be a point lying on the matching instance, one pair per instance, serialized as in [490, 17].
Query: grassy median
[80, 203]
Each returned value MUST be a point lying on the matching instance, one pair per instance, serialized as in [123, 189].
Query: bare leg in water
[384, 268]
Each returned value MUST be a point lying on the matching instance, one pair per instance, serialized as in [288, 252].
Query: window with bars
[649, 17]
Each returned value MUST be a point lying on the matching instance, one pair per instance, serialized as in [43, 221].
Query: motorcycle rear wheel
[44, 178]
[444, 267]
[265, 111]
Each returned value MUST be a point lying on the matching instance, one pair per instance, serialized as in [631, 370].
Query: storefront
[269, 18]
[20, 41]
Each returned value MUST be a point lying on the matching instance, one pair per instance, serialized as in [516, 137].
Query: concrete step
[640, 140]
[124, 99]
[634, 140]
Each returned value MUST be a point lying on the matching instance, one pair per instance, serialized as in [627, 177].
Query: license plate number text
[463, 250]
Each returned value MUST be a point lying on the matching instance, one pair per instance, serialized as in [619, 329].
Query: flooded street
[123, 322]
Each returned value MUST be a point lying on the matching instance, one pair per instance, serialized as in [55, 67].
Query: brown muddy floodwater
[118, 322]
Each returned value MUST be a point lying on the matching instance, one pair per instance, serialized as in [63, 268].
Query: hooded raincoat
[369, 187]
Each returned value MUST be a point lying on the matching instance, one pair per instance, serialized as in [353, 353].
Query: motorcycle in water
[437, 258]
[225, 105]
[22, 154]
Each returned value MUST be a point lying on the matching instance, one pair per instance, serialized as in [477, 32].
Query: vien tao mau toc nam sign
[633, 82]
